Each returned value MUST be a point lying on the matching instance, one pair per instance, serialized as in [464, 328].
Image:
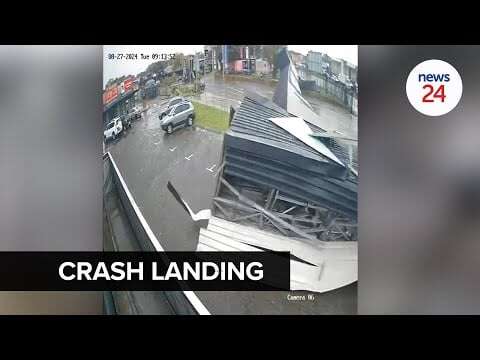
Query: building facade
[317, 62]
[323, 64]
[262, 66]
[118, 99]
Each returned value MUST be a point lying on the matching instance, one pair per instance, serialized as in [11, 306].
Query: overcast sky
[116, 68]
[347, 52]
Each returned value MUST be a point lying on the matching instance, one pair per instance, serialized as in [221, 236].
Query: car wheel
[190, 120]
[169, 129]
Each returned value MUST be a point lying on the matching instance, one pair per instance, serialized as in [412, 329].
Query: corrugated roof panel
[253, 118]
[314, 266]
[259, 152]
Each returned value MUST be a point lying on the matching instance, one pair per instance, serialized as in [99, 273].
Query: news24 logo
[434, 87]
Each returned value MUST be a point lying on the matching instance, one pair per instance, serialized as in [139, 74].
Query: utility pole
[223, 60]
[225, 57]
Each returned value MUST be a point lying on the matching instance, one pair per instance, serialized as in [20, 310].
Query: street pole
[225, 58]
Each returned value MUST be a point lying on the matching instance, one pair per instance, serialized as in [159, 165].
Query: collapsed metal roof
[261, 152]
[289, 96]
[318, 266]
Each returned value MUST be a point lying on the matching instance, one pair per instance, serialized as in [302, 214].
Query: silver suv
[181, 114]
[174, 101]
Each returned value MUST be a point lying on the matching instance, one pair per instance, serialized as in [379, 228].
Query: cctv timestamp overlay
[434, 87]
[141, 56]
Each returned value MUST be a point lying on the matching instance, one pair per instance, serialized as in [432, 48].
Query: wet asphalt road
[148, 159]
[224, 94]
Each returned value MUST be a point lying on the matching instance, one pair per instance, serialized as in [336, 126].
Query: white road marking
[211, 168]
[172, 149]
[188, 157]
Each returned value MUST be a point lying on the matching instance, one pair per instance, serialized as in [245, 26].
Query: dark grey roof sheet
[260, 152]
[296, 182]
[251, 121]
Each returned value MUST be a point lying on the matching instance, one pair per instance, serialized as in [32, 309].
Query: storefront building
[119, 99]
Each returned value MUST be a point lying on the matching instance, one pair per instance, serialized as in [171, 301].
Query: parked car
[135, 112]
[174, 101]
[181, 114]
[113, 129]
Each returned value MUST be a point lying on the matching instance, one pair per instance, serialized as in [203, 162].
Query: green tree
[178, 61]
[270, 54]
[156, 67]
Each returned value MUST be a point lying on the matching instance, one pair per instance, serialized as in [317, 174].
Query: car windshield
[175, 102]
[109, 126]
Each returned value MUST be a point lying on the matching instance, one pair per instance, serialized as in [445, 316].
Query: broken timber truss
[275, 211]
